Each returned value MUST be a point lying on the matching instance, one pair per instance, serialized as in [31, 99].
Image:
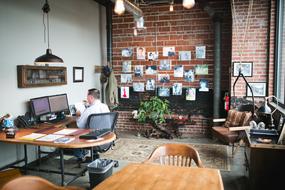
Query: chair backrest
[34, 183]
[175, 154]
[102, 120]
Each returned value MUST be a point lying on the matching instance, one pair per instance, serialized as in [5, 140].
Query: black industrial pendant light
[48, 57]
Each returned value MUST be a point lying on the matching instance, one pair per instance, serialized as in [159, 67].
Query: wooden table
[50, 129]
[158, 177]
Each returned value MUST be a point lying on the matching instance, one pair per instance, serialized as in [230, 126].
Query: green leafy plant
[153, 111]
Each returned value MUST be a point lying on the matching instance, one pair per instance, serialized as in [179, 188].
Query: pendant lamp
[48, 57]
[188, 4]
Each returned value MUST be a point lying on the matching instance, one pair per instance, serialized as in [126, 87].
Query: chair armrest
[240, 128]
[219, 120]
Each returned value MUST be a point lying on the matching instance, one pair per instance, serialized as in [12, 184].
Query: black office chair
[102, 121]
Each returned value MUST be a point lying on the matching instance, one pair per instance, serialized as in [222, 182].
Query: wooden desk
[76, 143]
[158, 177]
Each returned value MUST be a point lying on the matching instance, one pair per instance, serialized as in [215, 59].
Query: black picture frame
[258, 88]
[246, 68]
[78, 74]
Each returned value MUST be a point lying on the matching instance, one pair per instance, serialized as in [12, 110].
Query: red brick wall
[184, 29]
[259, 42]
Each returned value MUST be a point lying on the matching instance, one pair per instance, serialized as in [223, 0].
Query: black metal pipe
[217, 67]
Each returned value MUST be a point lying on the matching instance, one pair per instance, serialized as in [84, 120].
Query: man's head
[93, 94]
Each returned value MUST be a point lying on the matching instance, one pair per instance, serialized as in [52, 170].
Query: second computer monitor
[58, 103]
[40, 106]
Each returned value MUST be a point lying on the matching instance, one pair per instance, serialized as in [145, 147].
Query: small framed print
[78, 74]
[244, 67]
[258, 89]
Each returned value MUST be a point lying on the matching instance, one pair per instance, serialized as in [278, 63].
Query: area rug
[138, 150]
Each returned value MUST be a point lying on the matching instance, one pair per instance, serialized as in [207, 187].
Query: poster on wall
[152, 56]
[125, 92]
[163, 78]
[163, 92]
[189, 75]
[151, 70]
[127, 52]
[200, 52]
[165, 65]
[138, 70]
[138, 86]
[258, 89]
[140, 53]
[177, 89]
[178, 71]
[184, 55]
[150, 84]
[127, 66]
[168, 51]
[126, 78]
[204, 85]
[191, 94]
[201, 69]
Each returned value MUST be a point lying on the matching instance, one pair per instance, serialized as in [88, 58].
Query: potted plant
[154, 111]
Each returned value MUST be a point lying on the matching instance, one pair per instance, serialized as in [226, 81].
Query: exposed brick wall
[259, 42]
[184, 29]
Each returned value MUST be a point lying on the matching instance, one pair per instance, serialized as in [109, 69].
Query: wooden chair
[176, 155]
[34, 183]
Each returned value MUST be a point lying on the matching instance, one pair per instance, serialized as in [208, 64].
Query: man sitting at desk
[94, 106]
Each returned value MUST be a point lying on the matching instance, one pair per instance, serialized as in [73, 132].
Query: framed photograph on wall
[258, 89]
[78, 74]
[245, 67]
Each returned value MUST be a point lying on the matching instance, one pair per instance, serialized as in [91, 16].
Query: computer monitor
[40, 106]
[58, 103]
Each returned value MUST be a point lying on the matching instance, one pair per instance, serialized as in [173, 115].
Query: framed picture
[78, 74]
[258, 89]
[245, 67]
[200, 52]
[201, 69]
[184, 55]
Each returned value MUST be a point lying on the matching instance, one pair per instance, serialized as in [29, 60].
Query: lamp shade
[188, 4]
[119, 7]
[48, 58]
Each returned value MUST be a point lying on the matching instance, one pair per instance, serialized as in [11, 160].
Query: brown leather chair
[34, 183]
[233, 127]
[175, 154]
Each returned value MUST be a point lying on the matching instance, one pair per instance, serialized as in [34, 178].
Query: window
[280, 54]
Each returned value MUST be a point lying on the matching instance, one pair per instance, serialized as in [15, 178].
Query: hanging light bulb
[135, 31]
[188, 4]
[171, 8]
[119, 7]
[48, 57]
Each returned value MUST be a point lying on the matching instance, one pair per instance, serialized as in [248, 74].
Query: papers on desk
[65, 132]
[49, 138]
[64, 140]
[32, 136]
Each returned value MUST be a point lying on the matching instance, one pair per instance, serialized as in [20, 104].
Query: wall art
[165, 65]
[125, 92]
[163, 78]
[127, 52]
[138, 86]
[126, 78]
[184, 55]
[191, 94]
[140, 53]
[244, 67]
[126, 66]
[168, 51]
[138, 70]
[151, 70]
[150, 84]
[204, 85]
[201, 69]
[258, 89]
[200, 52]
[177, 89]
[164, 92]
[178, 71]
[189, 75]
[152, 56]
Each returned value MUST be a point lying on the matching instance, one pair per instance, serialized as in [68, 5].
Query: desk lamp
[265, 110]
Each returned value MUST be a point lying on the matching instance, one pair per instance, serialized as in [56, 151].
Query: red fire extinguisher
[227, 101]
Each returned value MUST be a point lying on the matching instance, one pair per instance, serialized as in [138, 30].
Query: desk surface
[158, 177]
[76, 143]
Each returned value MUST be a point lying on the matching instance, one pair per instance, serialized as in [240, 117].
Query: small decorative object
[164, 78]
[184, 55]
[152, 56]
[151, 70]
[201, 69]
[163, 92]
[189, 75]
[258, 89]
[244, 67]
[78, 74]
[125, 92]
[177, 89]
[200, 52]
[165, 65]
[203, 85]
[141, 53]
[138, 86]
[191, 94]
[8, 126]
[178, 71]
[127, 66]
[127, 52]
[150, 84]
[168, 51]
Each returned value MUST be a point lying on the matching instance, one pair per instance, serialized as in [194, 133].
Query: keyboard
[95, 134]
[264, 132]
